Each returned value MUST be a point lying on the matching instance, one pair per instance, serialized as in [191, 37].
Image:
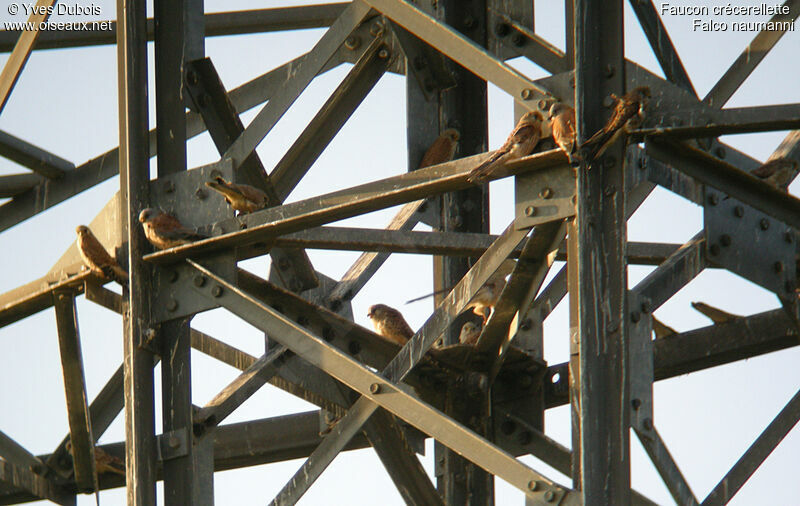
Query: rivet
[714, 249]
[738, 211]
[725, 240]
[635, 317]
[788, 236]
[609, 70]
[383, 54]
[501, 29]
[335, 305]
[778, 267]
[542, 104]
[764, 224]
[327, 334]
[172, 276]
[526, 94]
[526, 324]
[720, 152]
[352, 43]
[525, 437]
[216, 291]
[530, 211]
[546, 193]
[374, 388]
[549, 496]
[172, 305]
[647, 423]
[636, 403]
[200, 194]
[199, 280]
[713, 199]
[533, 485]
[518, 40]
[376, 29]
[470, 22]
[645, 307]
[169, 187]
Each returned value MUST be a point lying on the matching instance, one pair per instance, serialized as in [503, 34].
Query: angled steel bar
[699, 121]
[377, 389]
[240, 389]
[665, 465]
[38, 487]
[280, 102]
[80, 424]
[368, 263]
[460, 49]
[727, 178]
[101, 296]
[599, 332]
[661, 44]
[15, 453]
[427, 65]
[752, 55]
[350, 202]
[527, 277]
[22, 50]
[402, 364]
[758, 452]
[386, 436]
[223, 123]
[35, 296]
[14, 184]
[33, 157]
[140, 447]
[702, 348]
[333, 114]
[216, 24]
[676, 271]
[519, 40]
[789, 147]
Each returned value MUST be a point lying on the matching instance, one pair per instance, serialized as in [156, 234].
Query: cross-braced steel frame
[484, 405]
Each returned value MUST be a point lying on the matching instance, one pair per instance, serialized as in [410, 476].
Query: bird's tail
[480, 173]
[592, 148]
[714, 314]
[437, 292]
[116, 273]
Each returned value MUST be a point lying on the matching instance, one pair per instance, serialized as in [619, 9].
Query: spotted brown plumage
[241, 197]
[520, 142]
[629, 112]
[562, 126]
[390, 324]
[96, 258]
[164, 230]
[442, 150]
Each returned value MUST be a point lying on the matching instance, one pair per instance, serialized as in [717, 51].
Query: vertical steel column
[140, 449]
[597, 274]
[463, 107]
[176, 377]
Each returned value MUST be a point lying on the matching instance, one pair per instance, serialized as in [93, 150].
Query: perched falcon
[469, 333]
[562, 124]
[662, 329]
[164, 230]
[520, 143]
[629, 112]
[241, 197]
[389, 323]
[442, 150]
[779, 172]
[104, 463]
[486, 297]
[714, 314]
[97, 259]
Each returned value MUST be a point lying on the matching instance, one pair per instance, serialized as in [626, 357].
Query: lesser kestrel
[714, 314]
[97, 259]
[442, 150]
[241, 197]
[629, 113]
[389, 323]
[562, 125]
[469, 333]
[164, 230]
[520, 142]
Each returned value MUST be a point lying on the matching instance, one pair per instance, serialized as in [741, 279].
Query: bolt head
[501, 29]
[713, 199]
[549, 496]
[172, 275]
[199, 281]
[530, 211]
[526, 94]
[764, 224]
[352, 43]
[172, 305]
[546, 193]
[518, 40]
[533, 485]
[636, 403]
[738, 211]
[383, 54]
[720, 152]
[635, 317]
[216, 291]
[647, 423]
[645, 307]
[609, 70]
[374, 388]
